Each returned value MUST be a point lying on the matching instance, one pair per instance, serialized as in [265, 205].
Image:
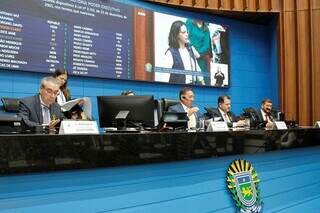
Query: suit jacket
[179, 108]
[215, 112]
[259, 116]
[31, 113]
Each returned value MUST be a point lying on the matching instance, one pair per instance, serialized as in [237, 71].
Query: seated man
[186, 96]
[264, 114]
[42, 108]
[223, 113]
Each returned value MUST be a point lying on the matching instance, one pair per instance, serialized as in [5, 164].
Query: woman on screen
[73, 109]
[180, 56]
[199, 36]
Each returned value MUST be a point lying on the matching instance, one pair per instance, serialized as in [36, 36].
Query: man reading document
[42, 109]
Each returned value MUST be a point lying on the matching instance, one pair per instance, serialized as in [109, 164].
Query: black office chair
[169, 102]
[163, 106]
[9, 120]
[10, 107]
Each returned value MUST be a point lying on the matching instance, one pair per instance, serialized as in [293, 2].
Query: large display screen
[109, 39]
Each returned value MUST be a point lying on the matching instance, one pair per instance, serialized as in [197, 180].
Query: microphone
[250, 112]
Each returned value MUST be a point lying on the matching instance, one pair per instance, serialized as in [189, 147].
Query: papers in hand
[69, 104]
[86, 106]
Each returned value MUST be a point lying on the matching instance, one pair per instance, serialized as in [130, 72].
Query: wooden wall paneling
[251, 5]
[226, 4]
[290, 66]
[289, 5]
[187, 3]
[315, 4]
[239, 5]
[316, 63]
[174, 2]
[232, 4]
[304, 68]
[275, 5]
[302, 5]
[200, 4]
[264, 5]
[213, 4]
[161, 1]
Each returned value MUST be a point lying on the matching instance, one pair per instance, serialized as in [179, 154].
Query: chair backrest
[163, 104]
[10, 104]
[169, 102]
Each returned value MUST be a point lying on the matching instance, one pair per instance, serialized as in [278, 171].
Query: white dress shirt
[225, 116]
[61, 99]
[265, 117]
[192, 123]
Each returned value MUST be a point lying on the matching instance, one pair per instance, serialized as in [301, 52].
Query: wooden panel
[289, 5]
[316, 64]
[226, 4]
[304, 67]
[188, 3]
[275, 5]
[213, 4]
[174, 2]
[303, 5]
[251, 5]
[264, 5]
[239, 5]
[161, 1]
[200, 4]
[315, 4]
[290, 75]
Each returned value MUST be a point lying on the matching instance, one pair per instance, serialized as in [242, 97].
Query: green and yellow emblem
[243, 184]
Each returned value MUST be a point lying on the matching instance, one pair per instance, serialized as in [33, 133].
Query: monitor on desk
[140, 110]
[175, 120]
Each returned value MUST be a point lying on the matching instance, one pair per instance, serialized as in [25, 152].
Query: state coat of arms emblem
[243, 183]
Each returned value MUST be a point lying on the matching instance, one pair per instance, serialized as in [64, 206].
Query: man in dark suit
[264, 114]
[186, 96]
[223, 112]
[42, 108]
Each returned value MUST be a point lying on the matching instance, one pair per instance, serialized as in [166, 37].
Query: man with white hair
[42, 109]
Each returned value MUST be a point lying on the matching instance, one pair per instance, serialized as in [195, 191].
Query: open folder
[87, 106]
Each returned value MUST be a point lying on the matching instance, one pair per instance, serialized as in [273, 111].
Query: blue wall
[253, 61]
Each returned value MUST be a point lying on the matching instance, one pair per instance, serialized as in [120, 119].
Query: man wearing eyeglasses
[42, 109]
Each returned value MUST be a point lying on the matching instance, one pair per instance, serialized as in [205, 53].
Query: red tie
[267, 117]
[226, 117]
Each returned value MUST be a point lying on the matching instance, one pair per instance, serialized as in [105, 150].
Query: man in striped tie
[42, 109]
